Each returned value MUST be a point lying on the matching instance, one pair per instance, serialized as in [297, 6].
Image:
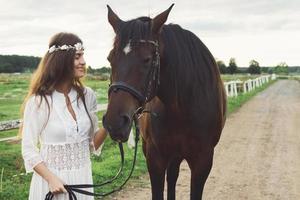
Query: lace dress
[62, 143]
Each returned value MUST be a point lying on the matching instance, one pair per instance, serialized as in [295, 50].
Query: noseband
[152, 79]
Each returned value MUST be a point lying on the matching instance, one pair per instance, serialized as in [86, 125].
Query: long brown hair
[54, 69]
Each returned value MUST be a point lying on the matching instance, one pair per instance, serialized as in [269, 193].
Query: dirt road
[258, 156]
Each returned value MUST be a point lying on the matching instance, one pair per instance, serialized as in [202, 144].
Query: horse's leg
[172, 175]
[200, 166]
[156, 168]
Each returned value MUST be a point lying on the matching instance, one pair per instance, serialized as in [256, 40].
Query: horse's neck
[166, 93]
[168, 97]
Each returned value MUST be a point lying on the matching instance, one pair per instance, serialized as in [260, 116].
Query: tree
[15, 63]
[254, 67]
[222, 66]
[232, 67]
[6, 68]
[281, 68]
[270, 70]
[264, 70]
[90, 70]
[105, 70]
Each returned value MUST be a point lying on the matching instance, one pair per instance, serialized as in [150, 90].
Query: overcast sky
[265, 30]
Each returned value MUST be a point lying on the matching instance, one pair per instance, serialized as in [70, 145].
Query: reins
[72, 189]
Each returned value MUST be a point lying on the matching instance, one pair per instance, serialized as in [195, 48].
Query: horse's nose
[121, 123]
[125, 121]
[105, 125]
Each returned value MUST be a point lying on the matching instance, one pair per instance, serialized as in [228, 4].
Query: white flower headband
[78, 46]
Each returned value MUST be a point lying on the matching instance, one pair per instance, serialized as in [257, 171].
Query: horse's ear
[159, 20]
[113, 19]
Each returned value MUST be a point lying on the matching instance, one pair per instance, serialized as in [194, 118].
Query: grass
[13, 187]
[12, 92]
[15, 184]
[6, 134]
[13, 89]
[236, 102]
[241, 77]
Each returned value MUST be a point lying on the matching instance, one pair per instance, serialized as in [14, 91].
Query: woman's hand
[56, 185]
[99, 137]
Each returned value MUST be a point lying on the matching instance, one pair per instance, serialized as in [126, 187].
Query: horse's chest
[169, 124]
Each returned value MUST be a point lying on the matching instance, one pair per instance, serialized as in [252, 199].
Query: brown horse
[169, 72]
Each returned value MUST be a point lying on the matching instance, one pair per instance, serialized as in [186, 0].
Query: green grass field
[242, 77]
[13, 89]
[14, 184]
[12, 92]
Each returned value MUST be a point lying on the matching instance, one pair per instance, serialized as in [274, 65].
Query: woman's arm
[55, 184]
[99, 137]
[98, 134]
[33, 121]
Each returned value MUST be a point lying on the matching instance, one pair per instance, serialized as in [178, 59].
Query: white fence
[232, 88]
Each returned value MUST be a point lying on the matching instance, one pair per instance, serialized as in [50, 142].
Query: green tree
[281, 68]
[254, 67]
[15, 63]
[232, 67]
[90, 70]
[270, 70]
[6, 68]
[264, 69]
[222, 66]
[104, 70]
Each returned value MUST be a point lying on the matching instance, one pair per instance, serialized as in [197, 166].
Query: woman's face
[79, 64]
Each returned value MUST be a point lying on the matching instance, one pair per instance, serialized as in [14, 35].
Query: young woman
[60, 125]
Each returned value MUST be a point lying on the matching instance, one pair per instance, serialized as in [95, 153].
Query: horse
[169, 76]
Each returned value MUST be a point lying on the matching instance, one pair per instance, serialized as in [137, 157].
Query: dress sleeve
[33, 123]
[93, 113]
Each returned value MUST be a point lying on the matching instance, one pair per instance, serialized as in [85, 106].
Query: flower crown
[78, 46]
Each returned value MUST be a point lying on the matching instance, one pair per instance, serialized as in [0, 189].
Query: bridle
[151, 89]
[152, 80]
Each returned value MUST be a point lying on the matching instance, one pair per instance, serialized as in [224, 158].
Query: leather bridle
[152, 80]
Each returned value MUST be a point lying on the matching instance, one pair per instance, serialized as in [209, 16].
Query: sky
[267, 31]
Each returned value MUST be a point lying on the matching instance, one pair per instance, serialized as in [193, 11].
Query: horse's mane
[192, 70]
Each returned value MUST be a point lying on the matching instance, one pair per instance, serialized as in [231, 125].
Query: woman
[60, 125]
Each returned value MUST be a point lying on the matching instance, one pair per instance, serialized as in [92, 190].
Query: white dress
[62, 143]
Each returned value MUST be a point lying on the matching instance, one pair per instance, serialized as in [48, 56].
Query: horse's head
[135, 63]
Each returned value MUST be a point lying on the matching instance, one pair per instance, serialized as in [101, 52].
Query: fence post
[231, 88]
[226, 89]
[245, 86]
[249, 85]
[235, 88]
